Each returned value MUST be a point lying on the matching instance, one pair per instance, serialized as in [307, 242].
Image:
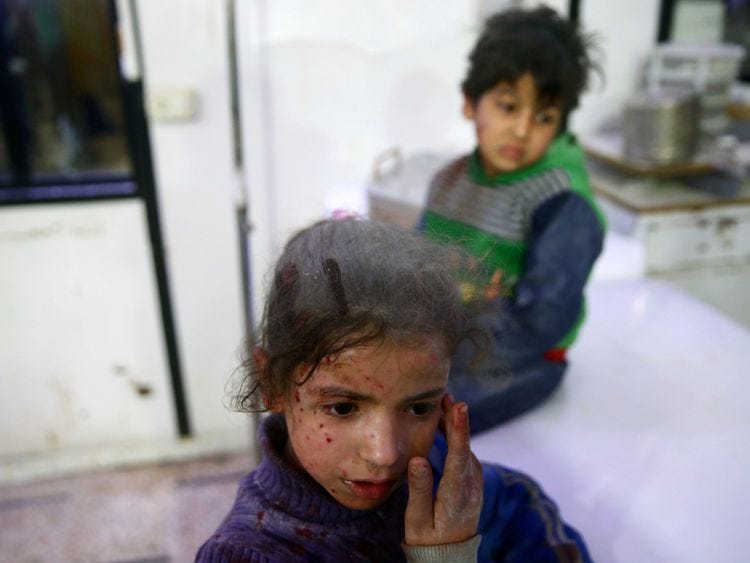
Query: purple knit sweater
[282, 514]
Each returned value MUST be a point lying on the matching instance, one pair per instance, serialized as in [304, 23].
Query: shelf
[609, 149]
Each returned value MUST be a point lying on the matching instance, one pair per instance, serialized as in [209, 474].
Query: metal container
[399, 185]
[709, 69]
[661, 126]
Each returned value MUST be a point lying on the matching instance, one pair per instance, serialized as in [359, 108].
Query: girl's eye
[506, 107]
[422, 409]
[339, 409]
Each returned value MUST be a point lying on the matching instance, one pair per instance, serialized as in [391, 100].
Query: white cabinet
[697, 241]
[82, 361]
[712, 238]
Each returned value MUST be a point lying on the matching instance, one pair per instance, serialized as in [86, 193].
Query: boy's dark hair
[538, 41]
[344, 283]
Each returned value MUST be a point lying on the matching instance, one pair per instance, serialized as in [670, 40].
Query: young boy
[521, 204]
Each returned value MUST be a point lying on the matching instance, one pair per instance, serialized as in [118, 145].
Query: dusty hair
[345, 283]
[554, 50]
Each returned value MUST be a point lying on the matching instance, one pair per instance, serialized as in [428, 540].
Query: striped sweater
[502, 220]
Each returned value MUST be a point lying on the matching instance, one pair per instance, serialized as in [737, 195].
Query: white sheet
[622, 258]
[646, 447]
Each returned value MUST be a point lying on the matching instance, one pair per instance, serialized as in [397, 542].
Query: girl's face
[356, 422]
[513, 130]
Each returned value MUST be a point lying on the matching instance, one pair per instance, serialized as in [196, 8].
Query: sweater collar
[479, 176]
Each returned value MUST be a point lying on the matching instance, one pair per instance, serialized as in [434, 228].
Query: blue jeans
[565, 239]
[496, 397]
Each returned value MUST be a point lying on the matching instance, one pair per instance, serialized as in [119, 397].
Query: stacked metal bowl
[661, 126]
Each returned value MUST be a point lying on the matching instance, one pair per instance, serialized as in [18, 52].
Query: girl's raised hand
[453, 515]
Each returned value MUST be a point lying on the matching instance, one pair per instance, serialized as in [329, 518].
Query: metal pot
[661, 126]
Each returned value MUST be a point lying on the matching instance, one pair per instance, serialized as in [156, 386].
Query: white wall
[626, 31]
[330, 85]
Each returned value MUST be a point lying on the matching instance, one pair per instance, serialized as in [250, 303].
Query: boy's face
[356, 422]
[513, 129]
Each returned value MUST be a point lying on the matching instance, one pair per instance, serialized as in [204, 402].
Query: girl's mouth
[372, 490]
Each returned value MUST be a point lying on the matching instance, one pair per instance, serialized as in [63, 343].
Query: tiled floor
[155, 514]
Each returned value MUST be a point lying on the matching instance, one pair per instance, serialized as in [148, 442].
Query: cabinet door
[718, 237]
[706, 253]
[82, 360]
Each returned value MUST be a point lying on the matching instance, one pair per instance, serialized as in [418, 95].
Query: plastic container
[698, 63]
[399, 185]
[709, 69]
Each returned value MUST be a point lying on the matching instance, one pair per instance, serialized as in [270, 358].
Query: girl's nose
[380, 443]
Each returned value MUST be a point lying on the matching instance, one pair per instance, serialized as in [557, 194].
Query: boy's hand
[453, 516]
[494, 289]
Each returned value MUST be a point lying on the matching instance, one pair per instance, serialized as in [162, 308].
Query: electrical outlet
[172, 104]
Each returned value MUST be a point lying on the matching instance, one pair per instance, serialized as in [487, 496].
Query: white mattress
[622, 258]
[646, 447]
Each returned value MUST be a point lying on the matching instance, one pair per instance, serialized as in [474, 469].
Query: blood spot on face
[386, 375]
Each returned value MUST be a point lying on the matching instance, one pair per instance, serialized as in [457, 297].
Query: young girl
[367, 458]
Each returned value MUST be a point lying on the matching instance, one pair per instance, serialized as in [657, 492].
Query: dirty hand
[494, 289]
[453, 515]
